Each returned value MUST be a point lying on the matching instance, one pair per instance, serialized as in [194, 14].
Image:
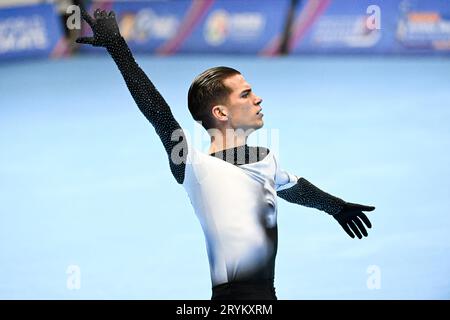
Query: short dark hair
[208, 90]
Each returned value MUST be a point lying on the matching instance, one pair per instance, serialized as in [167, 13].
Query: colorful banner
[30, 31]
[424, 26]
[243, 27]
[200, 26]
[374, 27]
[234, 26]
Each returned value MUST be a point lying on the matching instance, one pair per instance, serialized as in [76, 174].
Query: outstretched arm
[148, 99]
[349, 215]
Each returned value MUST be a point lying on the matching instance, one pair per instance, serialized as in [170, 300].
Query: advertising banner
[200, 26]
[375, 27]
[30, 31]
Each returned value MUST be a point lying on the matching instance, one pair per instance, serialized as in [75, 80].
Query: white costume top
[237, 208]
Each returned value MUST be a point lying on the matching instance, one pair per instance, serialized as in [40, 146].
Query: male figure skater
[234, 187]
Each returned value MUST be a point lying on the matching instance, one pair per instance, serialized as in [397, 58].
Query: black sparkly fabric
[242, 154]
[306, 194]
[152, 105]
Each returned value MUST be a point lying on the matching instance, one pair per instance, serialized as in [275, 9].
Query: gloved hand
[104, 26]
[350, 219]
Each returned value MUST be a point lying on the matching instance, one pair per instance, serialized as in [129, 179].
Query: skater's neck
[227, 140]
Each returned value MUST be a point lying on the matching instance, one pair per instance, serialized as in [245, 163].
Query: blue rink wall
[253, 27]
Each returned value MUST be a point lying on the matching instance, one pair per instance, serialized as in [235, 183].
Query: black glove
[350, 219]
[104, 26]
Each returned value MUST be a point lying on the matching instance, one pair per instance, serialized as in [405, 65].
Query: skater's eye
[245, 93]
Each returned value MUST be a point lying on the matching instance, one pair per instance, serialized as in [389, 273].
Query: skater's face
[243, 109]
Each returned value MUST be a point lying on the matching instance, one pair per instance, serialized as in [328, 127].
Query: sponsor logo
[146, 25]
[217, 27]
[424, 30]
[23, 33]
[345, 31]
[239, 27]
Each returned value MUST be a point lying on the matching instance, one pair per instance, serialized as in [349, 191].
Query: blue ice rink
[84, 180]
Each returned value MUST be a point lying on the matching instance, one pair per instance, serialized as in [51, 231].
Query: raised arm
[148, 99]
[349, 215]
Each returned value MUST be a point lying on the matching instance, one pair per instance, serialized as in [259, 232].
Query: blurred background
[356, 99]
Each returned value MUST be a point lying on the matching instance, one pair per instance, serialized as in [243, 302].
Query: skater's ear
[220, 113]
